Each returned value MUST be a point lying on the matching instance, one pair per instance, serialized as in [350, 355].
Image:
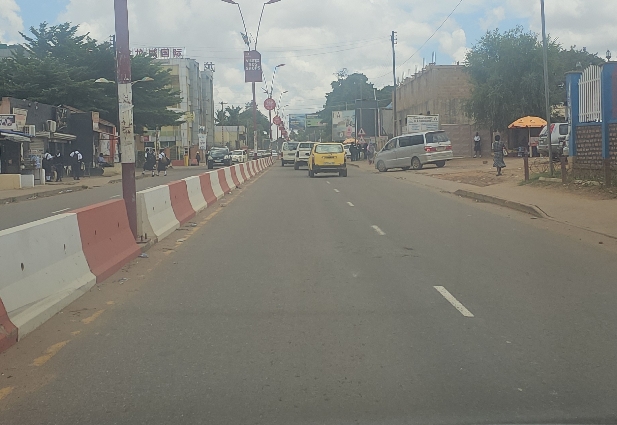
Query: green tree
[233, 115]
[507, 74]
[245, 118]
[60, 68]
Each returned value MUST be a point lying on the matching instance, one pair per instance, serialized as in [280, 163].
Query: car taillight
[449, 147]
[430, 149]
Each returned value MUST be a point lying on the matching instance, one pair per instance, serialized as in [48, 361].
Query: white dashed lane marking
[61, 211]
[379, 231]
[350, 204]
[457, 305]
[337, 191]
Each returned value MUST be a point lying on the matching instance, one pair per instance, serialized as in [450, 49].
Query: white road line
[328, 182]
[115, 196]
[350, 204]
[61, 211]
[337, 191]
[457, 305]
[379, 231]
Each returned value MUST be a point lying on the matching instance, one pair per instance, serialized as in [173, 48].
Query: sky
[317, 38]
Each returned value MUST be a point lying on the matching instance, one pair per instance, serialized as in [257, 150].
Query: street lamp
[106, 81]
[262, 15]
[270, 95]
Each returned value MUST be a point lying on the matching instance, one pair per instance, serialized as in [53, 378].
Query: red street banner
[252, 67]
[270, 104]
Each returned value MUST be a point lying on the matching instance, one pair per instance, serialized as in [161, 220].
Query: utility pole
[125, 111]
[254, 123]
[394, 76]
[547, 91]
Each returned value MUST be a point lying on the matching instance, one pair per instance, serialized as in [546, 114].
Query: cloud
[11, 22]
[492, 18]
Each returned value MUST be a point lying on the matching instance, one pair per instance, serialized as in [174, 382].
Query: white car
[239, 156]
[347, 151]
[288, 152]
[302, 154]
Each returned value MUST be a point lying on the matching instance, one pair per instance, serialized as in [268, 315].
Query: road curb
[532, 210]
[46, 194]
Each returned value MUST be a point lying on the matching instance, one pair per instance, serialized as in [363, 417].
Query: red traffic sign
[362, 132]
[277, 120]
[284, 133]
[270, 104]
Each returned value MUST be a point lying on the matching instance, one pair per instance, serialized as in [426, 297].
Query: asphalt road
[342, 301]
[19, 213]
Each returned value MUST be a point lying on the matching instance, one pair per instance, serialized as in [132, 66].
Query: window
[290, 146]
[306, 146]
[391, 145]
[417, 140]
[329, 149]
[563, 130]
[440, 137]
[404, 142]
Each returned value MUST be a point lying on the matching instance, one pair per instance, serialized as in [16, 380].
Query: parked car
[288, 153]
[327, 158]
[219, 157]
[560, 135]
[239, 156]
[347, 151]
[415, 151]
[302, 154]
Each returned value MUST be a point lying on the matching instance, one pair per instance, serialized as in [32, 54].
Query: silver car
[415, 151]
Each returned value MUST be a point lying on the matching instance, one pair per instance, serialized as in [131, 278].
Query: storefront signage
[8, 122]
[160, 52]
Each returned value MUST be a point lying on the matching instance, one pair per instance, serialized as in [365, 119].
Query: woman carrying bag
[499, 151]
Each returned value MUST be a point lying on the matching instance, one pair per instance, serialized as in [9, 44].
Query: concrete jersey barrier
[44, 269]
[223, 181]
[216, 184]
[155, 214]
[106, 238]
[196, 194]
[180, 202]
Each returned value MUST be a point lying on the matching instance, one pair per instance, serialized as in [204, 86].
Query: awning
[528, 122]
[15, 136]
[56, 136]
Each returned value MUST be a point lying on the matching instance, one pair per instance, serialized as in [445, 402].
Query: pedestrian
[76, 160]
[499, 151]
[354, 152]
[59, 166]
[47, 165]
[163, 163]
[150, 163]
[370, 151]
[477, 146]
[198, 158]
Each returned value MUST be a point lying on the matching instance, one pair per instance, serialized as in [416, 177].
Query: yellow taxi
[328, 158]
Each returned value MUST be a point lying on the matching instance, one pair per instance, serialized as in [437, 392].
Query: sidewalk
[68, 185]
[475, 179]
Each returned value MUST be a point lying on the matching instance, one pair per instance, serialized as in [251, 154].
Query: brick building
[441, 90]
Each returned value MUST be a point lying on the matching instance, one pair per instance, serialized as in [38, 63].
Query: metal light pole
[394, 77]
[125, 111]
[547, 91]
[270, 97]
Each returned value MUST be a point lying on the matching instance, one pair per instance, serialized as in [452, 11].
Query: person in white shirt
[76, 159]
[163, 163]
[477, 146]
[47, 164]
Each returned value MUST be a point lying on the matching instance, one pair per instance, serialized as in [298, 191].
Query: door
[403, 153]
[417, 148]
[388, 154]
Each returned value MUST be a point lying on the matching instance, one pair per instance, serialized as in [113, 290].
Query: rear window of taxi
[329, 149]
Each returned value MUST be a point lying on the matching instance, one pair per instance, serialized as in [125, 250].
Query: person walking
[76, 160]
[150, 162]
[499, 151]
[198, 158]
[47, 166]
[370, 151]
[59, 166]
[163, 163]
[477, 146]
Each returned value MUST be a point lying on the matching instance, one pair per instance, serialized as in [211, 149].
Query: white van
[415, 151]
[288, 152]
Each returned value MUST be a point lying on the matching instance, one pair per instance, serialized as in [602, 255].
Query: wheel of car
[342, 173]
[210, 166]
[440, 164]
[406, 168]
[416, 164]
[311, 173]
[381, 166]
[296, 166]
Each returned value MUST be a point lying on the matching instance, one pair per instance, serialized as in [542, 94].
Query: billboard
[343, 125]
[160, 52]
[8, 122]
[419, 123]
[313, 120]
[297, 122]
[252, 67]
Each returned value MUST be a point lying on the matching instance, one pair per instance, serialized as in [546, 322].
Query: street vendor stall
[524, 134]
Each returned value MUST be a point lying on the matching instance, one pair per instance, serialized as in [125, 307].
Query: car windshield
[306, 146]
[440, 137]
[291, 146]
[329, 149]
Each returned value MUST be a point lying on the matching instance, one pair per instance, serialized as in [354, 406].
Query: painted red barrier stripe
[180, 201]
[223, 181]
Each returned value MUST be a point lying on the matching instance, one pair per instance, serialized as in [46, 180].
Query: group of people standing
[57, 163]
[364, 151]
[153, 161]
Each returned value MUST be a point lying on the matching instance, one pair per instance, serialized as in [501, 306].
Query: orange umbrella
[528, 122]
